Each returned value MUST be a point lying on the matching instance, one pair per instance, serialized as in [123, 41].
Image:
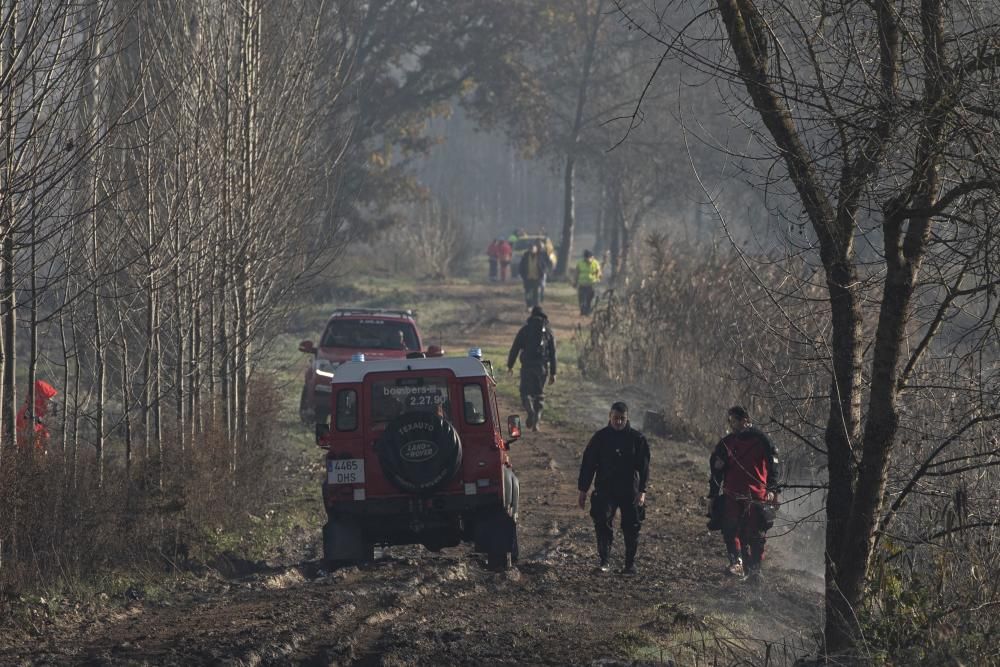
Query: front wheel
[306, 410]
[321, 415]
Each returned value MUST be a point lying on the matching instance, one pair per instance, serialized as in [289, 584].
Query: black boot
[538, 418]
[603, 552]
[631, 547]
[529, 407]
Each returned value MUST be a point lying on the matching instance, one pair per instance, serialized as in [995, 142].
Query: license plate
[345, 471]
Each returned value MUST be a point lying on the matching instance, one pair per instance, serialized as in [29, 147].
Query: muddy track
[413, 607]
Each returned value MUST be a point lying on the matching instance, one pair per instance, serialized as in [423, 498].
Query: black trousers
[533, 391]
[532, 292]
[585, 295]
[603, 508]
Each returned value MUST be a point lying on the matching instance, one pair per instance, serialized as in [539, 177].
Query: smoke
[797, 541]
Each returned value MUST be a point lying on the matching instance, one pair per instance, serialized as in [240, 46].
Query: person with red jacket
[506, 254]
[39, 434]
[744, 474]
[493, 254]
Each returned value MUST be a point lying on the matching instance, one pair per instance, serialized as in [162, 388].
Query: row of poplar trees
[170, 176]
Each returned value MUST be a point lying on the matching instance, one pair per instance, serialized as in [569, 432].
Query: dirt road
[413, 607]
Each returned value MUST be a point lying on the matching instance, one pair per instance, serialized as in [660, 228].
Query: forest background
[796, 200]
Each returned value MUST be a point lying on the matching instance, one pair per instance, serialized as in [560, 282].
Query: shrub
[706, 330]
[60, 528]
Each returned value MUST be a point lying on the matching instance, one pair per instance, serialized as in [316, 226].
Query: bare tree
[881, 117]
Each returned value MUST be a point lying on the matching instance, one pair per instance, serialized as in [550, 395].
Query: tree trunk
[600, 226]
[615, 249]
[180, 325]
[158, 385]
[32, 316]
[8, 302]
[150, 293]
[195, 397]
[67, 355]
[75, 423]
[100, 370]
[8, 401]
[569, 172]
[569, 215]
[126, 402]
[905, 244]
[251, 26]
[842, 436]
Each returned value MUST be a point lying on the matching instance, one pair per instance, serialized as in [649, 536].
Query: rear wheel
[515, 547]
[496, 536]
[499, 560]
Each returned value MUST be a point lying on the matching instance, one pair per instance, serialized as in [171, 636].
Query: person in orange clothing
[505, 253]
[44, 393]
[493, 254]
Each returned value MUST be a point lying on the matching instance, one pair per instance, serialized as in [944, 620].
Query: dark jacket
[750, 465]
[536, 346]
[542, 260]
[619, 460]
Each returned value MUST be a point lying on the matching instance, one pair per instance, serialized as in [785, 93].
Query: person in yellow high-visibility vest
[587, 274]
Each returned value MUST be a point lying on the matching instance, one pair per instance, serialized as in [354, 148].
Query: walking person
[587, 275]
[535, 264]
[493, 255]
[536, 347]
[512, 240]
[505, 253]
[617, 462]
[744, 472]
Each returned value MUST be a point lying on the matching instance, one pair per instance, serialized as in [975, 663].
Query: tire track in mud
[368, 601]
[264, 623]
[404, 621]
[359, 620]
[413, 607]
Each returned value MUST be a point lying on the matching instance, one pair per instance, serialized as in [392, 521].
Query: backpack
[536, 347]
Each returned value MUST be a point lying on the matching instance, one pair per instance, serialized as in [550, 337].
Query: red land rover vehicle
[379, 334]
[415, 455]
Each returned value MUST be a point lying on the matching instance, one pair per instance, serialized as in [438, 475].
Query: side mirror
[514, 427]
[322, 435]
[435, 351]
[307, 347]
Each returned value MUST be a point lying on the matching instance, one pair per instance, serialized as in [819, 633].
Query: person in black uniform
[536, 346]
[618, 456]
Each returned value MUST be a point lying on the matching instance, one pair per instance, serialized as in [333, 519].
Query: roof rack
[384, 312]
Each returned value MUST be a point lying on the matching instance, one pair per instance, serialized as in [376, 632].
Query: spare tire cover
[419, 452]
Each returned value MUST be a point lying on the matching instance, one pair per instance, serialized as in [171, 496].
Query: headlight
[325, 367]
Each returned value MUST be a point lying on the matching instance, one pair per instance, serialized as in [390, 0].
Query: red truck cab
[378, 333]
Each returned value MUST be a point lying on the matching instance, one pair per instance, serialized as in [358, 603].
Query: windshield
[371, 334]
[391, 398]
